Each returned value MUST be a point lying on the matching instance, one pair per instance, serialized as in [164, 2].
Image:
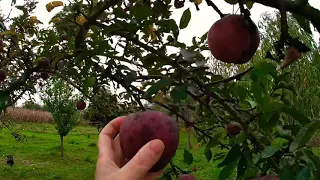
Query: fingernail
[157, 146]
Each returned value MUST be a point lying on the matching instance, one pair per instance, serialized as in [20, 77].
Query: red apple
[232, 39]
[141, 127]
[81, 105]
[234, 128]
[187, 177]
[44, 75]
[44, 63]
[3, 75]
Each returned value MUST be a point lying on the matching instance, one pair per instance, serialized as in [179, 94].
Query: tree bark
[61, 145]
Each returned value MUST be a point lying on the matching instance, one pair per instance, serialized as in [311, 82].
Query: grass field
[39, 157]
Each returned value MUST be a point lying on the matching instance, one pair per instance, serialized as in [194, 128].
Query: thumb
[145, 158]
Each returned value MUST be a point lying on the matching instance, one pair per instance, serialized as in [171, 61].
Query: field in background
[27, 115]
[38, 157]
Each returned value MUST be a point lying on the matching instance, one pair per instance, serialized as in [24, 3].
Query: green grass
[39, 157]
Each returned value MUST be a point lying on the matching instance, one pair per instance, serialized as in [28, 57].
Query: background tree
[106, 106]
[60, 101]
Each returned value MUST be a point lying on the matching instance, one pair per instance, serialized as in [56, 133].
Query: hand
[112, 165]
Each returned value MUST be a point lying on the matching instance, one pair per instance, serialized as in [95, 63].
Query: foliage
[105, 107]
[128, 44]
[32, 105]
[60, 101]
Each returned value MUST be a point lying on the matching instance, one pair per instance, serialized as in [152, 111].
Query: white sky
[200, 22]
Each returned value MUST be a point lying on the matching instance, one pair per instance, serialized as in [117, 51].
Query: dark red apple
[187, 177]
[44, 75]
[141, 127]
[64, 37]
[44, 63]
[232, 39]
[3, 75]
[81, 105]
[234, 128]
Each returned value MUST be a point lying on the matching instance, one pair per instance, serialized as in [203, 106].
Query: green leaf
[179, 93]
[4, 97]
[287, 173]
[227, 171]
[268, 151]
[159, 85]
[208, 154]
[249, 4]
[231, 1]
[279, 142]
[240, 137]
[242, 166]
[232, 155]
[304, 174]
[218, 156]
[296, 115]
[187, 157]
[141, 11]
[273, 121]
[89, 82]
[185, 19]
[303, 22]
[304, 135]
[214, 141]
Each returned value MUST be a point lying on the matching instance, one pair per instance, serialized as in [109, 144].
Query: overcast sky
[200, 22]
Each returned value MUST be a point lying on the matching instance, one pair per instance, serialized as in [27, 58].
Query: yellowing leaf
[34, 20]
[54, 20]
[51, 5]
[159, 96]
[12, 33]
[152, 33]
[81, 20]
[198, 1]
[57, 3]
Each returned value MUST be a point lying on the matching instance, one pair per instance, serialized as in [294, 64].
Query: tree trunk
[61, 145]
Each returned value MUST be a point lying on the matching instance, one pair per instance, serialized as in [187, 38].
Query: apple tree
[129, 44]
[60, 102]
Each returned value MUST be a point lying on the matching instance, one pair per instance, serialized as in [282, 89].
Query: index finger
[108, 133]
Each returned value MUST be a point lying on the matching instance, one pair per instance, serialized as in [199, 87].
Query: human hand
[111, 164]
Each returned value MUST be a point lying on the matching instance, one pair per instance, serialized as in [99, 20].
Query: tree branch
[296, 7]
[237, 76]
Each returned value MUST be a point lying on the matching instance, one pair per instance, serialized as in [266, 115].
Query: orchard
[257, 102]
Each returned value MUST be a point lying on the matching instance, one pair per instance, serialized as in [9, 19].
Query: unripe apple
[232, 39]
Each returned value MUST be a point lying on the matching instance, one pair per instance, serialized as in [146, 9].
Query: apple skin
[187, 177]
[81, 105]
[234, 128]
[141, 127]
[233, 40]
[3, 75]
[44, 63]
